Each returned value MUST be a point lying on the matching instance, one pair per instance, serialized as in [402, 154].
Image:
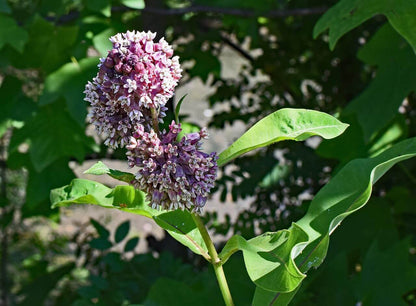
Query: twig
[244, 13]
[237, 48]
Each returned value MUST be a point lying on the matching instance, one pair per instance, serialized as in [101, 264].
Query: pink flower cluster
[128, 97]
[137, 75]
[173, 174]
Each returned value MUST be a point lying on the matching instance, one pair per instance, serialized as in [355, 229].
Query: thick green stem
[215, 261]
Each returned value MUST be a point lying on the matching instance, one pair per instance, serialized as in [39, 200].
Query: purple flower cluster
[174, 174]
[137, 75]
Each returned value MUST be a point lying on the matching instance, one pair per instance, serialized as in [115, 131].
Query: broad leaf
[40, 183]
[284, 124]
[100, 168]
[304, 244]
[131, 244]
[69, 82]
[101, 229]
[35, 294]
[11, 33]
[371, 114]
[178, 223]
[49, 46]
[81, 191]
[102, 42]
[100, 6]
[54, 135]
[348, 14]
[181, 226]
[122, 231]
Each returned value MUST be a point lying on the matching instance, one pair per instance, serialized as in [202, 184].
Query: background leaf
[11, 33]
[122, 231]
[348, 14]
[69, 82]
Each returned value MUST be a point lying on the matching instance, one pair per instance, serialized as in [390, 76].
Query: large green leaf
[49, 46]
[100, 6]
[348, 14]
[35, 294]
[69, 82]
[53, 135]
[14, 104]
[81, 191]
[284, 124]
[305, 243]
[179, 224]
[372, 114]
[11, 33]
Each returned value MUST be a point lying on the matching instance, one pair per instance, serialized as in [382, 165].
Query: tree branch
[244, 13]
[235, 12]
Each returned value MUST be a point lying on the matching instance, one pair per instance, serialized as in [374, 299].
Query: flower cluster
[137, 77]
[174, 174]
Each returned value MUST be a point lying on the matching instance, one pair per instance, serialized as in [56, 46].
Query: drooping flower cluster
[173, 174]
[137, 75]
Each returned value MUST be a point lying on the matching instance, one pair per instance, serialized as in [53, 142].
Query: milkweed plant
[173, 177]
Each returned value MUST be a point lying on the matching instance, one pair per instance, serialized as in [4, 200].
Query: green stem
[215, 261]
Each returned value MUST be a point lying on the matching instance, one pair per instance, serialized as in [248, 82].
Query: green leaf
[181, 226]
[268, 258]
[373, 112]
[394, 81]
[161, 293]
[207, 64]
[135, 4]
[101, 230]
[53, 135]
[69, 82]
[49, 46]
[15, 105]
[131, 244]
[11, 33]
[40, 183]
[178, 223]
[35, 294]
[100, 6]
[284, 124]
[101, 244]
[178, 108]
[100, 168]
[81, 191]
[122, 231]
[348, 14]
[304, 245]
[102, 42]
[391, 265]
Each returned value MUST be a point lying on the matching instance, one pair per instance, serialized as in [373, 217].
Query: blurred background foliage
[50, 49]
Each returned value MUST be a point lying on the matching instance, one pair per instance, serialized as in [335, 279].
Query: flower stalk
[215, 261]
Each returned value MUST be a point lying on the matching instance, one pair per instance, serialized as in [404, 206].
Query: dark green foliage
[48, 51]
